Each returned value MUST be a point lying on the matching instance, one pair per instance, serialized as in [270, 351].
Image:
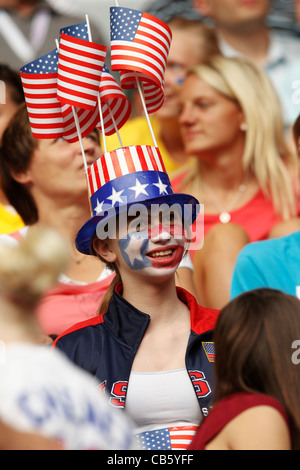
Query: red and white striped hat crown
[127, 176]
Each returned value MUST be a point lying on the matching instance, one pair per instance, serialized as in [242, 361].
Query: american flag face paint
[133, 248]
[153, 246]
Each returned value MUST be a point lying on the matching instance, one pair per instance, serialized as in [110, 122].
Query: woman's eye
[135, 224]
[59, 139]
[204, 104]
[172, 218]
[93, 137]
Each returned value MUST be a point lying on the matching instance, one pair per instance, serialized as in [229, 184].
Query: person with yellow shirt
[10, 98]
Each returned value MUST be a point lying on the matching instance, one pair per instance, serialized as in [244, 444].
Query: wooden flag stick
[80, 137]
[77, 127]
[145, 109]
[83, 155]
[99, 100]
[88, 27]
[143, 101]
[114, 122]
[78, 130]
[102, 123]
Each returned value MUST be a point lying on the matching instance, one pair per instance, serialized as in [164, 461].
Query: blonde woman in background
[244, 173]
[42, 393]
[192, 43]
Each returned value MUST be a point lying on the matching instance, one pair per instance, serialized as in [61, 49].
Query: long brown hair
[113, 267]
[12, 80]
[253, 348]
[16, 152]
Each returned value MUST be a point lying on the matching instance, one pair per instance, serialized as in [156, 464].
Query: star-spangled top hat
[127, 176]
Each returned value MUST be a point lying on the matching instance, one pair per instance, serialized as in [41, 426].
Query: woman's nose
[185, 115]
[89, 145]
[159, 233]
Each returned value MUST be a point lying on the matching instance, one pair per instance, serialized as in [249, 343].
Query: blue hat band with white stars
[129, 189]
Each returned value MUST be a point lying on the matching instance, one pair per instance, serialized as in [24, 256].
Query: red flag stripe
[116, 164]
[80, 66]
[153, 160]
[142, 158]
[91, 50]
[111, 165]
[81, 69]
[160, 25]
[129, 160]
[104, 169]
[146, 38]
[158, 159]
[80, 98]
[68, 74]
[131, 60]
[128, 81]
[90, 180]
[99, 174]
[149, 50]
[97, 178]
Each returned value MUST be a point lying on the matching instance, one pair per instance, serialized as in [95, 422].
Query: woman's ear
[104, 250]
[202, 7]
[243, 123]
[22, 177]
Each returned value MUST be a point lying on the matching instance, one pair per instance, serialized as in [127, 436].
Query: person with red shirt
[244, 173]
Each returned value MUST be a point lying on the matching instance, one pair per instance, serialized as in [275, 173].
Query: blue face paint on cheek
[133, 248]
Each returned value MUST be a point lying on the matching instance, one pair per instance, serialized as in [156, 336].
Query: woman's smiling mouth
[161, 254]
[167, 257]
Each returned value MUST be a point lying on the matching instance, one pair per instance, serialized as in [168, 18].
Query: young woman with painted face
[44, 180]
[150, 349]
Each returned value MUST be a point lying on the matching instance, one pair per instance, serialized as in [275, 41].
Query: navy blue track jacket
[106, 346]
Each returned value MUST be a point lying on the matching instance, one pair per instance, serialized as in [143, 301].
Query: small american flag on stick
[139, 42]
[80, 66]
[140, 45]
[39, 80]
[116, 107]
[87, 118]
